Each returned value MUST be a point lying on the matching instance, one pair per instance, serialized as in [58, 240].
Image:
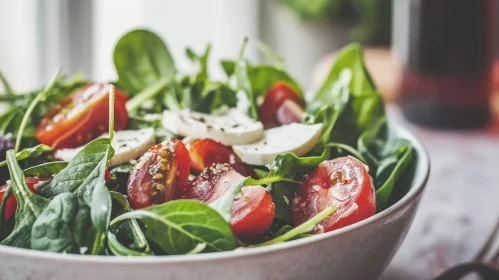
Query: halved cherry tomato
[206, 152]
[253, 210]
[160, 175]
[33, 183]
[81, 117]
[342, 182]
[281, 105]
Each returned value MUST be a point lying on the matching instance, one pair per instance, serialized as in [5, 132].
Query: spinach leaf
[263, 77]
[388, 159]
[306, 227]
[351, 57]
[83, 172]
[45, 169]
[127, 232]
[243, 81]
[214, 96]
[178, 226]
[142, 59]
[29, 206]
[119, 249]
[64, 226]
[30, 152]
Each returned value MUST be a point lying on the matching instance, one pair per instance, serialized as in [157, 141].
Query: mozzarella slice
[296, 138]
[231, 128]
[127, 144]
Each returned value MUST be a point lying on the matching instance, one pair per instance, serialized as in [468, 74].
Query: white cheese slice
[127, 144]
[296, 138]
[231, 128]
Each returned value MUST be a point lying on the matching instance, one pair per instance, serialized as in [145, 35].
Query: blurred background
[434, 61]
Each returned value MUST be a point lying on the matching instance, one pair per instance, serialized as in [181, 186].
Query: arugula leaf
[243, 82]
[83, 172]
[141, 59]
[29, 206]
[6, 85]
[127, 231]
[64, 226]
[178, 226]
[100, 213]
[45, 169]
[38, 98]
[30, 152]
[215, 96]
[301, 229]
[276, 59]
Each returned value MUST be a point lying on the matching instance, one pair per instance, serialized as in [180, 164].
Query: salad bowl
[358, 251]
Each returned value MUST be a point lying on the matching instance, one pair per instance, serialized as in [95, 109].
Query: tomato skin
[272, 113]
[343, 182]
[160, 175]
[206, 152]
[253, 210]
[88, 108]
[33, 183]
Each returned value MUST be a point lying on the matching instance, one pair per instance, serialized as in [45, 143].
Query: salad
[162, 162]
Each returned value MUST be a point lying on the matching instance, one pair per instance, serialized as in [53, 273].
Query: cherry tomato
[206, 152]
[281, 105]
[33, 183]
[253, 209]
[81, 117]
[160, 175]
[342, 182]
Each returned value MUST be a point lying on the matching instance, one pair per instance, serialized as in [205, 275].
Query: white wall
[19, 54]
[192, 23]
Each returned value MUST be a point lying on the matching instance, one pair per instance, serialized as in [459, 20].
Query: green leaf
[223, 204]
[29, 206]
[45, 169]
[383, 193]
[214, 96]
[128, 231]
[306, 227]
[38, 98]
[142, 59]
[243, 81]
[178, 226]
[350, 57]
[64, 226]
[118, 249]
[263, 77]
[6, 85]
[276, 59]
[100, 214]
[83, 172]
[30, 152]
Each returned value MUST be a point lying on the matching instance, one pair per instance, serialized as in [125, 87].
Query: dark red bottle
[447, 78]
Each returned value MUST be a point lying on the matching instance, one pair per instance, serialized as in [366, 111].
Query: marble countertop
[459, 206]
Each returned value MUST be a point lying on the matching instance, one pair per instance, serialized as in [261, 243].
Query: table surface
[459, 206]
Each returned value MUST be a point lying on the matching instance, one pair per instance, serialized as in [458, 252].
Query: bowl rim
[417, 188]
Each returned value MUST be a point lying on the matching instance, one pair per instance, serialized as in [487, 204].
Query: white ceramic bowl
[360, 251]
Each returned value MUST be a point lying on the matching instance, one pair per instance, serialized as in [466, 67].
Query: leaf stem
[111, 111]
[39, 97]
[303, 228]
[349, 149]
[134, 103]
[97, 243]
[243, 47]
